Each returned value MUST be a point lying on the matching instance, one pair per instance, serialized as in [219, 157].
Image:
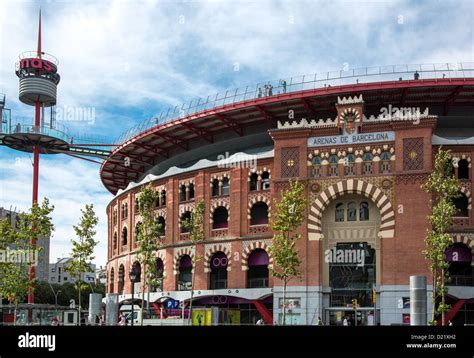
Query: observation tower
[38, 81]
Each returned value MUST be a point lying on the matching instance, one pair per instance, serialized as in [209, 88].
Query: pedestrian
[320, 322]
[283, 84]
[259, 92]
[266, 90]
[260, 322]
[122, 320]
[450, 323]
[345, 322]
[416, 75]
[270, 90]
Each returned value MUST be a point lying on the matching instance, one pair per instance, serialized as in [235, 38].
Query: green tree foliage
[195, 225]
[83, 249]
[35, 223]
[286, 218]
[148, 240]
[444, 188]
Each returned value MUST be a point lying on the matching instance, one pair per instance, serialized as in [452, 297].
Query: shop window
[185, 273]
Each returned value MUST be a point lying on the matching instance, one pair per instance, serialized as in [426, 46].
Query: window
[463, 169]
[385, 163]
[339, 212]
[254, 182]
[265, 181]
[163, 198]
[350, 164]
[191, 191]
[111, 280]
[351, 211]
[114, 241]
[461, 204]
[316, 167]
[220, 218]
[182, 193]
[137, 205]
[185, 273]
[367, 163]
[257, 273]
[218, 274]
[215, 187]
[121, 279]
[184, 218]
[225, 186]
[363, 211]
[124, 236]
[158, 274]
[333, 166]
[259, 214]
[161, 226]
[138, 228]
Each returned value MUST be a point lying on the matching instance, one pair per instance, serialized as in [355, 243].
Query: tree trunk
[284, 303]
[15, 313]
[442, 298]
[79, 308]
[192, 293]
[143, 298]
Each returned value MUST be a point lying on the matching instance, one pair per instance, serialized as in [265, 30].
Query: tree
[288, 216]
[444, 188]
[83, 249]
[17, 240]
[195, 225]
[147, 240]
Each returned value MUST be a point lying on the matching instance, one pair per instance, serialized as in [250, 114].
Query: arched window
[114, 241]
[461, 272]
[316, 170]
[163, 198]
[215, 187]
[114, 217]
[158, 275]
[225, 186]
[137, 205]
[463, 169]
[220, 218]
[339, 213]
[385, 163]
[124, 236]
[367, 163]
[461, 204]
[161, 226]
[265, 181]
[259, 214]
[333, 166]
[137, 268]
[257, 273]
[253, 182]
[350, 164]
[185, 273]
[218, 274]
[111, 280]
[182, 193]
[191, 191]
[138, 228]
[184, 217]
[364, 211]
[121, 279]
[351, 211]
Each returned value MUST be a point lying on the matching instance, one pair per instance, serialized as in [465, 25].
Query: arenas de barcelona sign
[351, 139]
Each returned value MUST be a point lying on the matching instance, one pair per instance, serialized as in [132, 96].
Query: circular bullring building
[361, 142]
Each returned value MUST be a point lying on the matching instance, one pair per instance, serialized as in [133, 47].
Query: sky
[122, 62]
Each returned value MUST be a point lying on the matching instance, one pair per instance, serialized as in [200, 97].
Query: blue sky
[129, 60]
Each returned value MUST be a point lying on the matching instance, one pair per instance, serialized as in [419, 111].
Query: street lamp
[133, 277]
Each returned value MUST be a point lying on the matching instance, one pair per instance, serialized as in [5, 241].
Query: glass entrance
[349, 317]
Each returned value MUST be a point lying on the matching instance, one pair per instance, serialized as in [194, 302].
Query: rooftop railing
[301, 83]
